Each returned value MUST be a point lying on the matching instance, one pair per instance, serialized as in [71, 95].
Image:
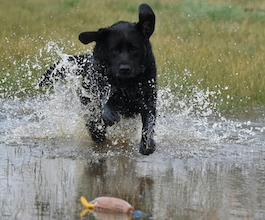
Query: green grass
[212, 44]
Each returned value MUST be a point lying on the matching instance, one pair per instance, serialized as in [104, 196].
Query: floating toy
[110, 205]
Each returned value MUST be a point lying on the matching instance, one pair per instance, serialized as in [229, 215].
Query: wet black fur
[119, 78]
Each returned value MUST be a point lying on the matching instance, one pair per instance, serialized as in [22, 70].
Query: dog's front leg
[147, 144]
[95, 123]
[97, 130]
[110, 115]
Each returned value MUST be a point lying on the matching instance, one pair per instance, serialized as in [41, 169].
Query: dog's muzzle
[124, 69]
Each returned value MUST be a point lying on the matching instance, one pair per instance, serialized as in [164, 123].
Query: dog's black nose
[124, 68]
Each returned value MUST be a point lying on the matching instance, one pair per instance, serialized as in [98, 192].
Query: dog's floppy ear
[146, 24]
[88, 37]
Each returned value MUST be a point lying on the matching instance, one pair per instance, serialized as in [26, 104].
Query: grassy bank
[213, 44]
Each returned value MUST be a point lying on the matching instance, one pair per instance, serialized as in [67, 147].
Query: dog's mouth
[123, 75]
[126, 72]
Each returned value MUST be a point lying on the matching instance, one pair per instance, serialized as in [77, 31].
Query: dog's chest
[128, 100]
[126, 95]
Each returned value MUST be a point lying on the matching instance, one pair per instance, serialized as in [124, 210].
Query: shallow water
[205, 166]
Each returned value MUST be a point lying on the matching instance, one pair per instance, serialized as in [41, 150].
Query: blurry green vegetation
[216, 45]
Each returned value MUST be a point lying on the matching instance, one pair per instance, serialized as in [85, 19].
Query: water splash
[187, 126]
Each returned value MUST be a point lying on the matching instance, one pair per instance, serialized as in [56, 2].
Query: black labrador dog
[118, 78]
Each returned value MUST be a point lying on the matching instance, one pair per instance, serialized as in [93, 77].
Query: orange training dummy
[110, 205]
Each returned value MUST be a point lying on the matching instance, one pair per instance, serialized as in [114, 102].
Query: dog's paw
[146, 148]
[110, 116]
[97, 133]
[98, 137]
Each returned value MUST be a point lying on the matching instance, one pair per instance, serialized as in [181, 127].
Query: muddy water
[206, 166]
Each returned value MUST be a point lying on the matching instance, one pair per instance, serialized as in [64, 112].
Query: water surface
[205, 166]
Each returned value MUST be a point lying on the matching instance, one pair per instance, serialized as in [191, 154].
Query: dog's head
[124, 46]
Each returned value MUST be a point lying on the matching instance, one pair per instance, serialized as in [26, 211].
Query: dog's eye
[134, 49]
[115, 51]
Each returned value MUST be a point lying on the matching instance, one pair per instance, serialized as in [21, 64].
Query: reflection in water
[35, 187]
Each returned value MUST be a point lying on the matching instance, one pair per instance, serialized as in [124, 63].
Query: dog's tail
[70, 65]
